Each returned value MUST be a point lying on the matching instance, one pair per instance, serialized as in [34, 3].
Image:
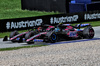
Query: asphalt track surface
[9, 44]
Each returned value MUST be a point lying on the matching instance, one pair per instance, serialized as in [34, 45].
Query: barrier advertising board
[30, 22]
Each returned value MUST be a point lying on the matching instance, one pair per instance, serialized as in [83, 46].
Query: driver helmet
[39, 29]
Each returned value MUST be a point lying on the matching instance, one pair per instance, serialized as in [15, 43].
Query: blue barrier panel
[83, 1]
[73, 1]
[79, 7]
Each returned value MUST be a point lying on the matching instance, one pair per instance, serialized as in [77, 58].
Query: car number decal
[72, 34]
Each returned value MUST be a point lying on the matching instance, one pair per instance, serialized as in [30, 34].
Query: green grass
[12, 9]
[16, 48]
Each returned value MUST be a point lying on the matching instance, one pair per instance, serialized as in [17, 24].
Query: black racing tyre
[28, 35]
[88, 33]
[12, 34]
[52, 38]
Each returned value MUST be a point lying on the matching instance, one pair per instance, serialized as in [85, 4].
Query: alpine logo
[23, 24]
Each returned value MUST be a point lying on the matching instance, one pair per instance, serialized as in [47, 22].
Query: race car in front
[64, 32]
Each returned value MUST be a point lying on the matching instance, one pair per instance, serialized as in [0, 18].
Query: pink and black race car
[15, 36]
[39, 36]
[62, 32]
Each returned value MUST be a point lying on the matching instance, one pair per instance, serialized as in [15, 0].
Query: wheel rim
[91, 33]
[54, 37]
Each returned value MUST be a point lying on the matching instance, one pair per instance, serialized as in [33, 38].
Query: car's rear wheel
[88, 33]
[12, 34]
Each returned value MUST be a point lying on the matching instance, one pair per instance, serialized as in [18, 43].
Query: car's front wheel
[29, 35]
[12, 34]
[52, 38]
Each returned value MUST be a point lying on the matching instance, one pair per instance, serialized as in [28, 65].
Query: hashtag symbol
[51, 20]
[8, 25]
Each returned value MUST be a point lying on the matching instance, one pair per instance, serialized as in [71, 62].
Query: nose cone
[11, 38]
[27, 40]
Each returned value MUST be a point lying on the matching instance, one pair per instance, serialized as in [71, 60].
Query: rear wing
[82, 25]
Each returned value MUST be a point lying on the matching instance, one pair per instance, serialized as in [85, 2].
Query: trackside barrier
[30, 22]
[46, 5]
